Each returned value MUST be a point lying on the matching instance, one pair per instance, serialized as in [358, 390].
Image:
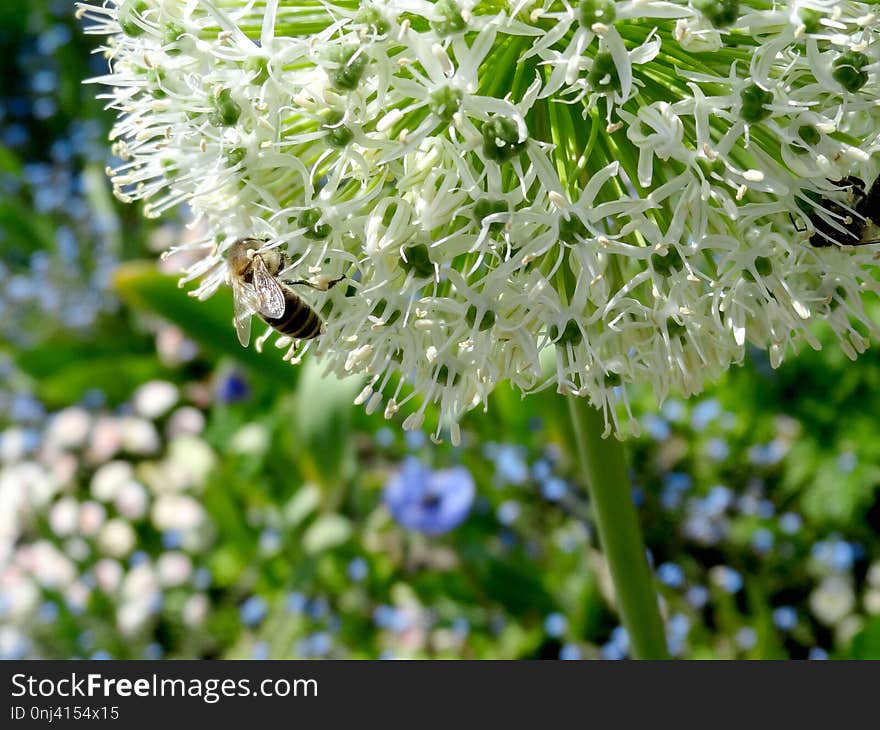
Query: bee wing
[245, 303]
[268, 290]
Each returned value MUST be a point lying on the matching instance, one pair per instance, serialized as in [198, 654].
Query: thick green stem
[604, 467]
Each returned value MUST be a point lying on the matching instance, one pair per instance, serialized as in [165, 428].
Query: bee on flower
[576, 195]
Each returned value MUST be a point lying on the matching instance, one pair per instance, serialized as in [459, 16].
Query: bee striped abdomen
[299, 320]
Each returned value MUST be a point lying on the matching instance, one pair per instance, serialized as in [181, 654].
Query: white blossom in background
[630, 187]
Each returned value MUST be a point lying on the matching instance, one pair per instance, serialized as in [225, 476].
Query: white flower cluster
[77, 498]
[637, 188]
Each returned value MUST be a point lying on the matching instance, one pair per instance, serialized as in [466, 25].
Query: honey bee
[847, 224]
[257, 288]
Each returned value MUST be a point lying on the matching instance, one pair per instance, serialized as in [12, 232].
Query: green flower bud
[310, 220]
[613, 380]
[569, 335]
[445, 102]
[763, 266]
[171, 35]
[572, 229]
[379, 310]
[258, 68]
[811, 19]
[418, 261]
[370, 16]
[349, 68]
[603, 76]
[597, 11]
[715, 165]
[235, 156]
[665, 265]
[443, 376]
[338, 135]
[226, 110]
[127, 13]
[719, 13]
[809, 134]
[451, 20]
[754, 103]
[485, 207]
[501, 139]
[848, 70]
[486, 322]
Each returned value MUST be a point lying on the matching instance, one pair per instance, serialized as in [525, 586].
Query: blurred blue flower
[717, 449]
[320, 643]
[510, 465]
[391, 618]
[358, 569]
[253, 611]
[704, 413]
[432, 502]
[553, 489]
[296, 602]
[717, 501]
[414, 440]
[384, 437]
[746, 638]
[508, 512]
[154, 651]
[231, 387]
[555, 625]
[817, 653]
[784, 618]
[657, 428]
[834, 554]
[847, 461]
[727, 578]
[101, 655]
[671, 574]
[48, 612]
[542, 470]
[673, 410]
[678, 481]
[570, 652]
[260, 650]
[762, 540]
[790, 523]
[202, 579]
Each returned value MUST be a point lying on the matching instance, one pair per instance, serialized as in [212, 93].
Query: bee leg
[794, 223]
[319, 287]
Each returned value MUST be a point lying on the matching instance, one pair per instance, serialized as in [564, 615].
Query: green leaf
[322, 408]
[302, 504]
[328, 531]
[9, 163]
[866, 643]
[209, 323]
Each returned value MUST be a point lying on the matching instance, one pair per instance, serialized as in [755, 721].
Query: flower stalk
[603, 465]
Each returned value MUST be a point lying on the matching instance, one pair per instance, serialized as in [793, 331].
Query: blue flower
[671, 574]
[429, 501]
[231, 387]
[358, 569]
[785, 618]
[510, 465]
[553, 489]
[555, 625]
[253, 611]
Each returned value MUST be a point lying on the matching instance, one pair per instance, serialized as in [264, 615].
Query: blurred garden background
[165, 493]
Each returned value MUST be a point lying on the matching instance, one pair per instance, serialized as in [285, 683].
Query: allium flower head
[637, 188]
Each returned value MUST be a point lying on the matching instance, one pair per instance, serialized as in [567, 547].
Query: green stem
[604, 466]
